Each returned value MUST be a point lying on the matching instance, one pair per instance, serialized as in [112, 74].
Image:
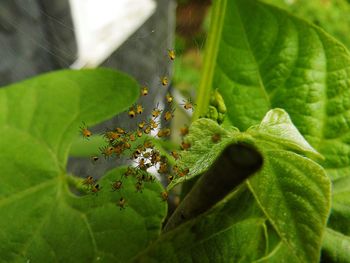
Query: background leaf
[41, 219]
[337, 239]
[336, 247]
[269, 59]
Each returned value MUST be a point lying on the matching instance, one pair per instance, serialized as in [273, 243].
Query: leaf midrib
[27, 191]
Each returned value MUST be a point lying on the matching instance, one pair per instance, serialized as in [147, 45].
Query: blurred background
[133, 36]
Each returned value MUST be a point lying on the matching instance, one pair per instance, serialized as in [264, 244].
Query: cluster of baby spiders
[142, 152]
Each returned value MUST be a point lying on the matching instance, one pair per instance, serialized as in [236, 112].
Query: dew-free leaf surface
[41, 220]
[264, 58]
[269, 59]
[228, 233]
[291, 191]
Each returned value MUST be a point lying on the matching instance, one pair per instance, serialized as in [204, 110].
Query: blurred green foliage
[331, 15]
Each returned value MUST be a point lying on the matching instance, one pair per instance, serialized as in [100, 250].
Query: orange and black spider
[139, 109]
[185, 146]
[155, 157]
[164, 132]
[142, 124]
[183, 172]
[216, 138]
[132, 112]
[156, 112]
[94, 159]
[169, 98]
[129, 172]
[163, 168]
[164, 195]
[111, 136]
[144, 91]
[89, 181]
[117, 185]
[121, 203]
[175, 155]
[148, 144]
[95, 189]
[168, 115]
[107, 151]
[139, 133]
[188, 104]
[142, 165]
[85, 132]
[120, 130]
[171, 54]
[164, 80]
[139, 186]
[153, 124]
[184, 131]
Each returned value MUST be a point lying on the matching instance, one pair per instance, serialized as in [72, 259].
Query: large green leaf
[264, 58]
[294, 194]
[269, 59]
[229, 233]
[42, 221]
[337, 239]
[336, 247]
[292, 191]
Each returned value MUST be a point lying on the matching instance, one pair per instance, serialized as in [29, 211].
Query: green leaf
[336, 244]
[336, 247]
[80, 148]
[292, 190]
[42, 221]
[267, 58]
[203, 151]
[228, 233]
[340, 216]
[276, 130]
[277, 127]
[294, 194]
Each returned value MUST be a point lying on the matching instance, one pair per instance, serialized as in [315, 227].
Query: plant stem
[210, 54]
[235, 164]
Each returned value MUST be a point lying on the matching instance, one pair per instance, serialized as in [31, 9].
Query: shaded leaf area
[269, 59]
[292, 191]
[336, 244]
[42, 221]
[336, 247]
[294, 194]
[230, 232]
